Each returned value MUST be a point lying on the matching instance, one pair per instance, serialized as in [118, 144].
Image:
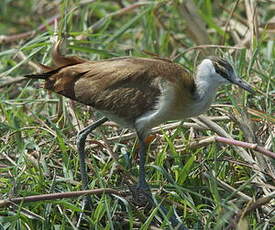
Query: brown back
[124, 86]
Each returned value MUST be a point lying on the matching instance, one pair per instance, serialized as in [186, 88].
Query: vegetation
[209, 185]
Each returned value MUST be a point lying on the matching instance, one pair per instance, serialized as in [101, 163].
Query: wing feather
[115, 84]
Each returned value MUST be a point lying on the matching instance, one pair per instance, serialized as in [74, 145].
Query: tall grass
[207, 185]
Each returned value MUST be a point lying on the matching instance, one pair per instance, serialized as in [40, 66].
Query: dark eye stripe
[221, 71]
[222, 67]
[225, 65]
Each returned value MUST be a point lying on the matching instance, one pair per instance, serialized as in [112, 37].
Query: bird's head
[221, 71]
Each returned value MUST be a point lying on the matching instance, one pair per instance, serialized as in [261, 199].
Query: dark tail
[43, 75]
[59, 60]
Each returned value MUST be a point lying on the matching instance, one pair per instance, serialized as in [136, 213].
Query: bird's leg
[80, 142]
[142, 184]
[142, 193]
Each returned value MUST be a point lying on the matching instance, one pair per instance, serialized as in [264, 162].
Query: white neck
[207, 80]
[207, 84]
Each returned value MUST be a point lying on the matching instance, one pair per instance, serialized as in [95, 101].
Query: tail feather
[60, 60]
[44, 68]
[44, 76]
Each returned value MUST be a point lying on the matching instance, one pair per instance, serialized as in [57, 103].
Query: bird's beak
[244, 85]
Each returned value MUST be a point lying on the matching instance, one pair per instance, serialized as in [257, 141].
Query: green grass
[38, 129]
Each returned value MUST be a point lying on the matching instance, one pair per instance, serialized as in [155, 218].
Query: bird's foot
[87, 204]
[87, 208]
[142, 195]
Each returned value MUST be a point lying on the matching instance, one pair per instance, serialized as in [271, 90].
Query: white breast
[169, 108]
[163, 111]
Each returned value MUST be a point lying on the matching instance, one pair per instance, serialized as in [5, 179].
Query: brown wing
[115, 84]
[124, 86]
[120, 86]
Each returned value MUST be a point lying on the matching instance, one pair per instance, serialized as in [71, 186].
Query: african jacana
[138, 93]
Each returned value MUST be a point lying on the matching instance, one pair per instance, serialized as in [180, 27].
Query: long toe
[142, 195]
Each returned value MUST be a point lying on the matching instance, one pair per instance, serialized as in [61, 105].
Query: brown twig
[246, 145]
[54, 196]
[220, 131]
[209, 140]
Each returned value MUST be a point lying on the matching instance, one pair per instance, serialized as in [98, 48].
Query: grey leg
[80, 142]
[142, 184]
[142, 193]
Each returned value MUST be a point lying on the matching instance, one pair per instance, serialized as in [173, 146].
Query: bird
[136, 92]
